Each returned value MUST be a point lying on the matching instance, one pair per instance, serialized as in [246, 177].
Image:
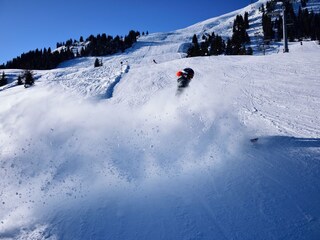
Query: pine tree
[249, 51]
[278, 25]
[317, 27]
[267, 27]
[28, 77]
[217, 46]
[229, 47]
[262, 9]
[246, 20]
[239, 37]
[3, 80]
[96, 63]
[204, 48]
[194, 50]
[19, 80]
[69, 42]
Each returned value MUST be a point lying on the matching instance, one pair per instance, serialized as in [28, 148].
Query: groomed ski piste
[112, 153]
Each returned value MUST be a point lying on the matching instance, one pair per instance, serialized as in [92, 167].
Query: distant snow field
[112, 153]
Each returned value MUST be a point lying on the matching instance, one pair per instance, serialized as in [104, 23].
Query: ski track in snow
[112, 153]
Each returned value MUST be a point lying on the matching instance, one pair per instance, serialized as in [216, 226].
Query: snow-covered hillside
[112, 153]
[313, 6]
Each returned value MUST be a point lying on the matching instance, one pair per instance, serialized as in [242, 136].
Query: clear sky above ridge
[28, 25]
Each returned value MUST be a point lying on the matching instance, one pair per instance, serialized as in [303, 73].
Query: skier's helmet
[188, 72]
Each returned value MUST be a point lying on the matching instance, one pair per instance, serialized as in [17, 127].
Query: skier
[184, 79]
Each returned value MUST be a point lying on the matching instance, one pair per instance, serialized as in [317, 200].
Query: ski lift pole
[285, 37]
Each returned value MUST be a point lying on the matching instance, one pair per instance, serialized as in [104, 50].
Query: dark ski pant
[180, 90]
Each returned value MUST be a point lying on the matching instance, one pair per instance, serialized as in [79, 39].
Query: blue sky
[27, 25]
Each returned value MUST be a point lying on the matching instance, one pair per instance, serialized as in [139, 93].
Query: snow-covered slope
[84, 158]
[313, 6]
